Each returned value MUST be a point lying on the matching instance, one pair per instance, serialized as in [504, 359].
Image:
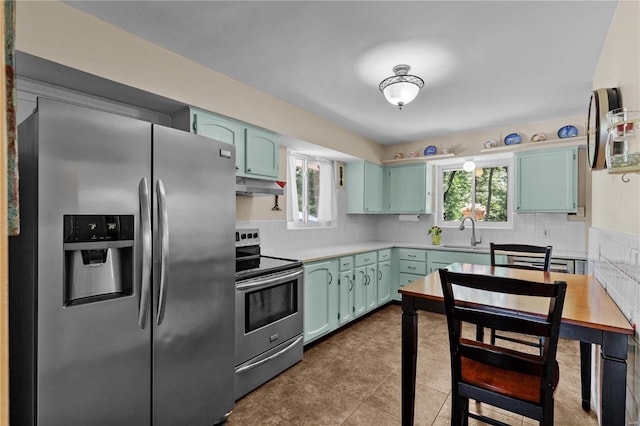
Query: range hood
[250, 187]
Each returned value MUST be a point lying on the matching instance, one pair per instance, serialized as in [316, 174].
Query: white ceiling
[484, 63]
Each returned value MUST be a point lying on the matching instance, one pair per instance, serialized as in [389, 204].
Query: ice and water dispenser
[98, 258]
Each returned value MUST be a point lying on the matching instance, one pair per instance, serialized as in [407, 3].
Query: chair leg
[479, 334]
[459, 410]
[547, 414]
[493, 336]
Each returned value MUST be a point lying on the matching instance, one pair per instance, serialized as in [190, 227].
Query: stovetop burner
[249, 261]
[268, 265]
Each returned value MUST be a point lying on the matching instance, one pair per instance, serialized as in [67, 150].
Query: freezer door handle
[163, 241]
[144, 261]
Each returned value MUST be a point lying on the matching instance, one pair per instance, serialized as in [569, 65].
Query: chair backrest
[537, 257]
[541, 365]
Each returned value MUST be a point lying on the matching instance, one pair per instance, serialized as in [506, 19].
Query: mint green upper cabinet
[262, 155]
[321, 295]
[547, 180]
[222, 129]
[364, 187]
[409, 188]
[257, 150]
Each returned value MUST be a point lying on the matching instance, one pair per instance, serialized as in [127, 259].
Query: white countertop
[322, 253]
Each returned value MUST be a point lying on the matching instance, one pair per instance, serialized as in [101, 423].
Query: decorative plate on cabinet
[567, 132]
[430, 150]
[601, 102]
[512, 139]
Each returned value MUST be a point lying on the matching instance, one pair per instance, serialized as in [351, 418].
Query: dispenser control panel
[94, 228]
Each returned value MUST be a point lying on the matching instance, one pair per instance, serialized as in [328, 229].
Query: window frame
[507, 161]
[306, 224]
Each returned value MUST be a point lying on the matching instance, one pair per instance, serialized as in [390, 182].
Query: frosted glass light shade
[401, 88]
[401, 93]
[468, 166]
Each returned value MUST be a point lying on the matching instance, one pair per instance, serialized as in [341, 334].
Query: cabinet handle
[249, 170]
[411, 267]
[330, 278]
[367, 259]
[411, 255]
[379, 275]
[237, 168]
[350, 285]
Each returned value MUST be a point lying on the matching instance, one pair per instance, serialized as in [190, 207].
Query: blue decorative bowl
[430, 150]
[512, 139]
[567, 132]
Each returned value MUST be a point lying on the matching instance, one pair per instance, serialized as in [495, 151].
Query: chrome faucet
[474, 242]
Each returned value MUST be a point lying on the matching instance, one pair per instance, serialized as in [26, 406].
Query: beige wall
[62, 34]
[616, 205]
[469, 144]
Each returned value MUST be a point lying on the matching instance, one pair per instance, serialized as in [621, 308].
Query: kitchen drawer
[384, 255]
[413, 267]
[412, 254]
[408, 278]
[346, 263]
[366, 258]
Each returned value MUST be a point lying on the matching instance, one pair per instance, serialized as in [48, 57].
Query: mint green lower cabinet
[440, 259]
[547, 180]
[321, 298]
[384, 282]
[371, 289]
[359, 291]
[346, 284]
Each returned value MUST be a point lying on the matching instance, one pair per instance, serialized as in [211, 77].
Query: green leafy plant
[435, 230]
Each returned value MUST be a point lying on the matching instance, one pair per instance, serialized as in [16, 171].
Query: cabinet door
[384, 282]
[345, 311]
[408, 191]
[320, 299]
[262, 154]
[371, 288]
[373, 183]
[359, 291]
[547, 181]
[221, 129]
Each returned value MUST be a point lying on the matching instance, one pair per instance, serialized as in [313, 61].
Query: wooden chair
[539, 258]
[519, 382]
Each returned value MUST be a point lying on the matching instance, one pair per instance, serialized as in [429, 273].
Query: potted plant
[436, 234]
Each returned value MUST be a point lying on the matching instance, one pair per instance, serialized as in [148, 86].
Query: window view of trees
[481, 194]
[308, 185]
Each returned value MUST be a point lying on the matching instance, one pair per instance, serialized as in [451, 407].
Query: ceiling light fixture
[401, 88]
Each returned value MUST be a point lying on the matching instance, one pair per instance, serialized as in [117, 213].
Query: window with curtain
[485, 194]
[311, 194]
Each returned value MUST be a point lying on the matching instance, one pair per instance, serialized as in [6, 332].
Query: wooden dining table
[589, 316]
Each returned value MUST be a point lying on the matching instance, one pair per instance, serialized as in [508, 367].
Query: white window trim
[480, 163]
[296, 225]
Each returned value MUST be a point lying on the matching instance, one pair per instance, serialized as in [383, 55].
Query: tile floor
[353, 378]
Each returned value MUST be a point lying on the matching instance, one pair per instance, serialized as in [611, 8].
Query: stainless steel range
[269, 323]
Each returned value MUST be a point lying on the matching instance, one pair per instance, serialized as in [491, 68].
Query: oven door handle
[260, 283]
[269, 358]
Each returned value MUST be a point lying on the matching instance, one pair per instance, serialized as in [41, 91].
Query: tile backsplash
[541, 229]
[614, 259]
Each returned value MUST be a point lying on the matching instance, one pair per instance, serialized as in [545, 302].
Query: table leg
[585, 374]
[613, 365]
[409, 357]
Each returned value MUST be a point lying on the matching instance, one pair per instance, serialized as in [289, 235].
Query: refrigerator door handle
[163, 237]
[144, 261]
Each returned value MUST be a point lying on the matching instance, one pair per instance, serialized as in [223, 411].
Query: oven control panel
[247, 237]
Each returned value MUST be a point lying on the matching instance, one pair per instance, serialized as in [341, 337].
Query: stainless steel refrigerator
[122, 279]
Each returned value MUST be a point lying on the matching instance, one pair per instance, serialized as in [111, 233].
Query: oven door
[268, 312]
